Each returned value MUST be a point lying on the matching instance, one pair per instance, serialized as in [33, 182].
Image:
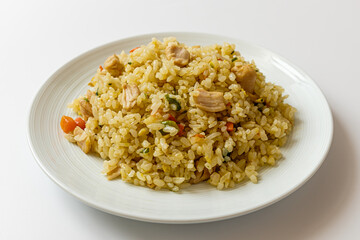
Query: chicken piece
[201, 176]
[209, 101]
[85, 105]
[82, 139]
[180, 55]
[85, 108]
[129, 96]
[246, 76]
[113, 65]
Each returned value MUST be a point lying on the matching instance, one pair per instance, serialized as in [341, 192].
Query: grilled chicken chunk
[209, 101]
[85, 109]
[246, 76]
[180, 55]
[82, 139]
[129, 96]
[113, 65]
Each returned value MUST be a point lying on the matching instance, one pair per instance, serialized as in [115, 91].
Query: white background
[321, 37]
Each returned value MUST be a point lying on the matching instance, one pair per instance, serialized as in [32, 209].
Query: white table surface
[321, 37]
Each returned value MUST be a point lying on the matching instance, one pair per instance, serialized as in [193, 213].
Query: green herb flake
[232, 52]
[162, 132]
[234, 59]
[145, 150]
[129, 63]
[97, 92]
[101, 125]
[212, 65]
[86, 99]
[174, 104]
[226, 153]
[170, 123]
[109, 84]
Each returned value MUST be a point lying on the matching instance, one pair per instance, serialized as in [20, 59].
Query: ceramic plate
[80, 174]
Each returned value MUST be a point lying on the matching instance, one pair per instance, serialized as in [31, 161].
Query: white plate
[79, 174]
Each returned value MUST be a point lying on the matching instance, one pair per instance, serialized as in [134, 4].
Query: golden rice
[138, 148]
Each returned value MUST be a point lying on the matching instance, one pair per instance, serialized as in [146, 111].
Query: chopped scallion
[174, 104]
[145, 150]
[226, 155]
[170, 123]
[162, 132]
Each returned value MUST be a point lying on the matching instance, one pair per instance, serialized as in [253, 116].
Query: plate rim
[155, 219]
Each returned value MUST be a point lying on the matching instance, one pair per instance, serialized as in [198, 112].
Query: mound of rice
[164, 140]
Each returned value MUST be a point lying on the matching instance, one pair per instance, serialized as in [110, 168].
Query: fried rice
[168, 115]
